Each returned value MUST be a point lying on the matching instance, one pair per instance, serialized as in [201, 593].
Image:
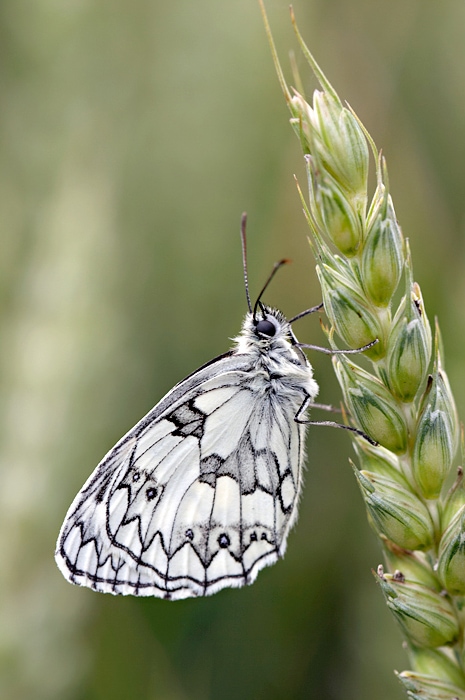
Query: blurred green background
[132, 136]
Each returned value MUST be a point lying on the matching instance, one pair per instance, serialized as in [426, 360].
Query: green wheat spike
[403, 401]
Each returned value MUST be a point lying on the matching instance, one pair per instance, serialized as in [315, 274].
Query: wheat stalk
[403, 401]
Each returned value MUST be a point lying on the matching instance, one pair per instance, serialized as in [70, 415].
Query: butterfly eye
[266, 328]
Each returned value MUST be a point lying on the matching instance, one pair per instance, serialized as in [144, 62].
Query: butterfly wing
[199, 495]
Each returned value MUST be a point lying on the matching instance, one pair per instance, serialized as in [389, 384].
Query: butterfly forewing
[202, 492]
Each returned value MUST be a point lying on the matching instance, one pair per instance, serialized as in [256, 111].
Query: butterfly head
[268, 324]
[265, 330]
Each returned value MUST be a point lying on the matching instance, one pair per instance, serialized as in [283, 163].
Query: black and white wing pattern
[202, 492]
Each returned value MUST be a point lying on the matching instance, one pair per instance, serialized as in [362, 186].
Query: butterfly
[201, 494]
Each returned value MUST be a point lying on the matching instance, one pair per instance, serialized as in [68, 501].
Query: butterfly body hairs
[201, 494]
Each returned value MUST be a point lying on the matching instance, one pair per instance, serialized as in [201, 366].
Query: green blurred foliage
[132, 136]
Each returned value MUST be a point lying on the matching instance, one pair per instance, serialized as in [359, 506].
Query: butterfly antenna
[307, 312]
[276, 267]
[244, 259]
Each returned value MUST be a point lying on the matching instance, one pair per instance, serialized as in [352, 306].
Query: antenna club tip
[243, 224]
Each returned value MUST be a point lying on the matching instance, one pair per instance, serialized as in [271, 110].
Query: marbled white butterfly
[202, 493]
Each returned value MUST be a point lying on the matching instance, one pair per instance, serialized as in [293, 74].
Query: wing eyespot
[224, 541]
[151, 493]
[189, 534]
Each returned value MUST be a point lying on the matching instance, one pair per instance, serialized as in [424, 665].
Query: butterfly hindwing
[201, 493]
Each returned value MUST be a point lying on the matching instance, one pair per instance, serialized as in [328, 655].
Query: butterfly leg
[308, 401]
[333, 351]
[326, 407]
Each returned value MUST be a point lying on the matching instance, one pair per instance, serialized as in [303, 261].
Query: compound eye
[266, 328]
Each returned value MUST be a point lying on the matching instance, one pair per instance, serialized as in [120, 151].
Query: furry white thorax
[277, 356]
